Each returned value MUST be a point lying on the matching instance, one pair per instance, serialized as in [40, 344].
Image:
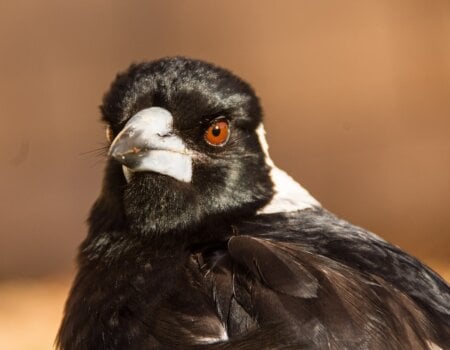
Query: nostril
[164, 134]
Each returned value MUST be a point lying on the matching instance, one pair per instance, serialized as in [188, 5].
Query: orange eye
[217, 133]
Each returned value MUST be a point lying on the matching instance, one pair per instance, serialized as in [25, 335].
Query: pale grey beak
[147, 143]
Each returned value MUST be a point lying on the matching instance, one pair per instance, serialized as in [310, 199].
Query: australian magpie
[198, 240]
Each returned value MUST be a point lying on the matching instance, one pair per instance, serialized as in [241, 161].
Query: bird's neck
[289, 195]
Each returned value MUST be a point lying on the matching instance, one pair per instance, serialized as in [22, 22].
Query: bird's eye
[109, 134]
[218, 132]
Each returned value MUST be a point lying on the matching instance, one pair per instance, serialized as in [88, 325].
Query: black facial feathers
[190, 89]
[225, 184]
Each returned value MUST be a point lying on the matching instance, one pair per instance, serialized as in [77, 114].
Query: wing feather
[276, 269]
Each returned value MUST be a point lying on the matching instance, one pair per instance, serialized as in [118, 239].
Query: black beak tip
[129, 158]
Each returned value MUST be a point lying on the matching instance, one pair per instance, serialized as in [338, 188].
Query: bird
[199, 241]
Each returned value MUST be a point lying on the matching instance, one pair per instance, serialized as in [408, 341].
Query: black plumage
[212, 253]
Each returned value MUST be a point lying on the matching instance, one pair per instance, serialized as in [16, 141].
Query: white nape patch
[289, 194]
[167, 154]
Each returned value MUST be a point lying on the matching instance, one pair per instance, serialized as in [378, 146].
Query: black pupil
[216, 130]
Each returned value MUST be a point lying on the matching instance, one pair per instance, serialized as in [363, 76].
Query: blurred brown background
[356, 97]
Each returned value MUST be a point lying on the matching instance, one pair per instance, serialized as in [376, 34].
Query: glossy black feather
[172, 265]
[352, 309]
[276, 268]
[322, 233]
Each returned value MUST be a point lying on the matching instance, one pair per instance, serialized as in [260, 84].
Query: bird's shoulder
[294, 268]
[320, 232]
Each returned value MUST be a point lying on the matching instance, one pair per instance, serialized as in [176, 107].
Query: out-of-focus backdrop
[357, 105]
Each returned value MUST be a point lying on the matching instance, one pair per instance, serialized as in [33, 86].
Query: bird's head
[183, 146]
